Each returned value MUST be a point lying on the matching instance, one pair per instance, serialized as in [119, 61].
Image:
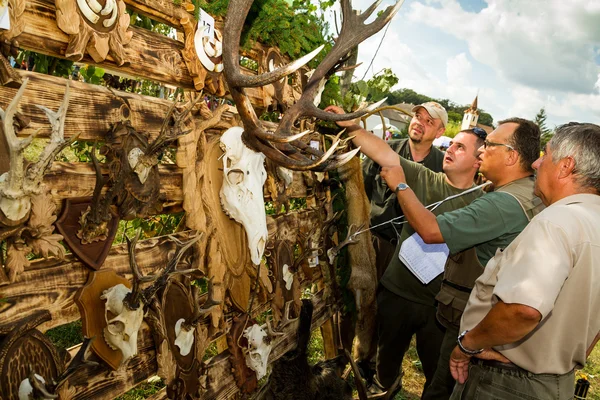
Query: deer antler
[35, 173]
[20, 182]
[170, 131]
[281, 146]
[137, 296]
[209, 304]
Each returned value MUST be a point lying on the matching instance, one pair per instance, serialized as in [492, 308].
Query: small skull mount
[133, 182]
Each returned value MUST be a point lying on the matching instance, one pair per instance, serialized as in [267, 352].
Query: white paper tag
[4, 15]
[208, 21]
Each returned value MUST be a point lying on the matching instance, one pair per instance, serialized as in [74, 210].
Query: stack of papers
[425, 261]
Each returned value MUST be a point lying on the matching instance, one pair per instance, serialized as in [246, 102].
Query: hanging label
[208, 21]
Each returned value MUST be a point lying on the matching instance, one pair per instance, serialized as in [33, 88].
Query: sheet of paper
[425, 261]
[4, 17]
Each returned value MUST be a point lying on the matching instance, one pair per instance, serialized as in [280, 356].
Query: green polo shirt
[384, 205]
[429, 187]
[489, 223]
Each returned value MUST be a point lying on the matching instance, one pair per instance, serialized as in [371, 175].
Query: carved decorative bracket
[95, 28]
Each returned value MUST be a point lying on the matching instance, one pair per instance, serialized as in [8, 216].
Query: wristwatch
[401, 187]
[464, 349]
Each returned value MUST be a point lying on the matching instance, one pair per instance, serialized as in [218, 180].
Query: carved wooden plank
[51, 284]
[102, 383]
[165, 11]
[92, 108]
[152, 56]
[78, 179]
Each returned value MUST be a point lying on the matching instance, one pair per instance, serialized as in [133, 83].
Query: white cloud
[458, 69]
[518, 56]
[537, 43]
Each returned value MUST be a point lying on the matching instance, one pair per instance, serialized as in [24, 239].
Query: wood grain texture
[51, 284]
[152, 56]
[164, 11]
[92, 108]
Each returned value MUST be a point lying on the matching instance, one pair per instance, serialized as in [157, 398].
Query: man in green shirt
[473, 233]
[399, 318]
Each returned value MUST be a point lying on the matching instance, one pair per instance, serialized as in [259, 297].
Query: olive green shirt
[489, 223]
[384, 205]
[429, 187]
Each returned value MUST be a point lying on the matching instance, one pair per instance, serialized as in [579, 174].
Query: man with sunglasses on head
[476, 232]
[405, 306]
[427, 124]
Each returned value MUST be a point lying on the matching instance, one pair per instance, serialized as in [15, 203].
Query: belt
[497, 364]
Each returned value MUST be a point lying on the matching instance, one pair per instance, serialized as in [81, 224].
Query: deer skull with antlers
[124, 309]
[133, 182]
[26, 211]
[282, 146]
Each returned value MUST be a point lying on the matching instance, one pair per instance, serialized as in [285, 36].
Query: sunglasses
[487, 144]
[481, 134]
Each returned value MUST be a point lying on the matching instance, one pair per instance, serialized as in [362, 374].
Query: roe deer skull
[122, 328]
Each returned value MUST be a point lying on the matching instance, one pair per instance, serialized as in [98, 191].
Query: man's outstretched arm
[420, 218]
[372, 146]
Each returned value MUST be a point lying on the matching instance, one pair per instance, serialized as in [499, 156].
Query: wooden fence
[45, 293]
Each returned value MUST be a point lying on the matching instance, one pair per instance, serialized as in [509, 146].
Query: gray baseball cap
[435, 110]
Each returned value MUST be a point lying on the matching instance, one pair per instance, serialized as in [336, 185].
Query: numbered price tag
[208, 21]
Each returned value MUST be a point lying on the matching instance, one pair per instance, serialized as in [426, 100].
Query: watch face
[401, 186]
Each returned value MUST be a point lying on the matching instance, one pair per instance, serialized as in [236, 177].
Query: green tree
[540, 120]
[408, 96]
[485, 118]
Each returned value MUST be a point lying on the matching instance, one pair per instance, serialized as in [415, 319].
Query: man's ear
[477, 164]
[440, 131]
[513, 158]
[566, 167]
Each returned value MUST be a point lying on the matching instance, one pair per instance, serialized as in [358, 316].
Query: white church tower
[471, 116]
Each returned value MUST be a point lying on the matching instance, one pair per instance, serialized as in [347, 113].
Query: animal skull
[15, 207]
[242, 190]
[288, 276]
[184, 338]
[137, 164]
[257, 357]
[122, 329]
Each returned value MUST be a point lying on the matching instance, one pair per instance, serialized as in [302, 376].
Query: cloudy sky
[520, 55]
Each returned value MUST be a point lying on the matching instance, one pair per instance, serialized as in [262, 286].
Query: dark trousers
[442, 383]
[487, 382]
[398, 320]
[384, 251]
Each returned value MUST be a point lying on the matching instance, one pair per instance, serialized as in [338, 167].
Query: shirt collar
[579, 198]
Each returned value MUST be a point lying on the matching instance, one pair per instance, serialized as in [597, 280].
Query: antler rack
[282, 146]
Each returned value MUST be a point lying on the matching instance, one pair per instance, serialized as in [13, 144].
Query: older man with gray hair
[533, 318]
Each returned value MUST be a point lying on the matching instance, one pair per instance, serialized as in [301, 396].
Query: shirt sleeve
[417, 174]
[486, 218]
[533, 272]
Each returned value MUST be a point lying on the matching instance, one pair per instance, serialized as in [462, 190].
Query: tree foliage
[294, 27]
[540, 120]
[455, 111]
[372, 90]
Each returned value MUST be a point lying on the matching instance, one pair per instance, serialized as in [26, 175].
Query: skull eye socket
[116, 327]
[235, 176]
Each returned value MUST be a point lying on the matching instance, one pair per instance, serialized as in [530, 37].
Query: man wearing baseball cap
[428, 123]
